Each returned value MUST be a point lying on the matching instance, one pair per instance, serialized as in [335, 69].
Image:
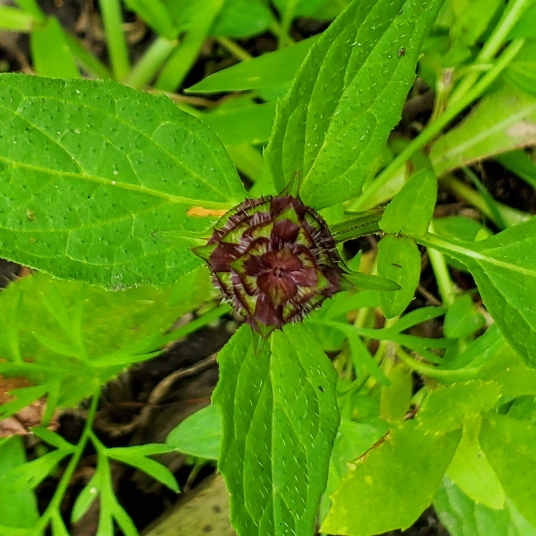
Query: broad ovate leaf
[504, 268]
[411, 209]
[397, 478]
[462, 516]
[346, 98]
[279, 416]
[92, 172]
[509, 447]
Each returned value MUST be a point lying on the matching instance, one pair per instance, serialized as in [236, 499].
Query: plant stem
[441, 271]
[450, 376]
[434, 128]
[112, 19]
[151, 61]
[511, 15]
[491, 204]
[236, 50]
[57, 499]
[286, 23]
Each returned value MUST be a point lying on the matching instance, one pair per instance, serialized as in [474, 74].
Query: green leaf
[242, 18]
[91, 171]
[300, 8]
[199, 434]
[520, 163]
[396, 397]
[462, 318]
[15, 20]
[399, 260]
[185, 54]
[85, 498]
[521, 71]
[473, 20]
[347, 96]
[398, 478]
[251, 124]
[353, 439]
[50, 51]
[156, 15]
[270, 70]
[504, 267]
[136, 457]
[509, 447]
[501, 122]
[279, 417]
[447, 407]
[410, 211]
[463, 517]
[99, 321]
[471, 471]
[18, 508]
[31, 474]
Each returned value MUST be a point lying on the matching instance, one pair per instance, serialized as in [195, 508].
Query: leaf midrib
[118, 184]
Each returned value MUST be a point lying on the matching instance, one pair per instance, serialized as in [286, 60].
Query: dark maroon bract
[274, 260]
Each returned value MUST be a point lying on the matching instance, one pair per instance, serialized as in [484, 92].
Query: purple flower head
[273, 259]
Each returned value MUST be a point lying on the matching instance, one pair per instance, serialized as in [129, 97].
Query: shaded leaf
[509, 447]
[463, 517]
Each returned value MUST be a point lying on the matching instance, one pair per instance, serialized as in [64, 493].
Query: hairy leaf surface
[346, 98]
[280, 418]
[91, 172]
[504, 267]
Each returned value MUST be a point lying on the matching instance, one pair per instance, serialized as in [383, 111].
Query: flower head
[273, 259]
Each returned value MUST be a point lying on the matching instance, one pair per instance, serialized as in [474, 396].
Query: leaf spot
[201, 212]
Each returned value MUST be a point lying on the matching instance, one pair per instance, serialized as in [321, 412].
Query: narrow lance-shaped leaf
[280, 417]
[504, 268]
[501, 122]
[91, 172]
[346, 98]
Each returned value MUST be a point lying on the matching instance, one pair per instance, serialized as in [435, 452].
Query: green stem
[236, 50]
[112, 19]
[490, 203]
[57, 499]
[511, 16]
[286, 23]
[150, 63]
[434, 128]
[441, 271]
[434, 372]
